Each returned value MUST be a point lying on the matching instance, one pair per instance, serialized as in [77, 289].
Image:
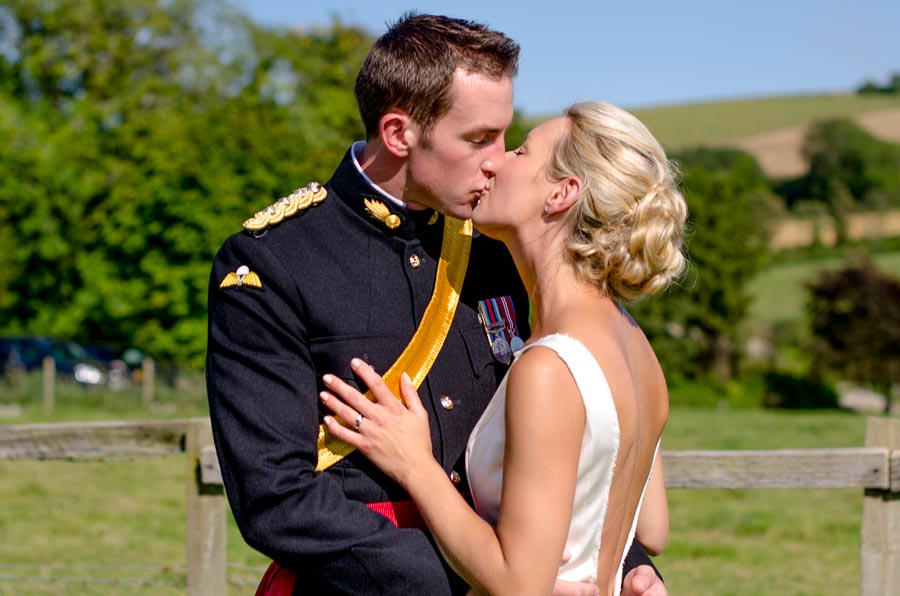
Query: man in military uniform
[353, 269]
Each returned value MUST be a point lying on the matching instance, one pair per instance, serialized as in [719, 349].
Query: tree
[850, 168]
[694, 327]
[855, 321]
[141, 134]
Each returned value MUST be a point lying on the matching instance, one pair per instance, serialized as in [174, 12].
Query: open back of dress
[596, 464]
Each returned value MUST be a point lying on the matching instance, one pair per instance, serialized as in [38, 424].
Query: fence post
[206, 573]
[49, 378]
[148, 372]
[880, 550]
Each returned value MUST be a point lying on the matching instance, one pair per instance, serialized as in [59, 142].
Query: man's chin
[459, 211]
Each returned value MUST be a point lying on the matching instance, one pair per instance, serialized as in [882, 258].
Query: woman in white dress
[561, 460]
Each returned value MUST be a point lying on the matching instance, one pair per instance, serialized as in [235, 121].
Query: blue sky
[641, 54]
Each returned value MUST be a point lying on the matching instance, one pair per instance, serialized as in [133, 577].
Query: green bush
[788, 391]
[745, 392]
[694, 327]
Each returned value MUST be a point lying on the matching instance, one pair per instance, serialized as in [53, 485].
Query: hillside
[779, 151]
[772, 129]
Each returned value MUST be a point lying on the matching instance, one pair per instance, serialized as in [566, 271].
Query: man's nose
[495, 160]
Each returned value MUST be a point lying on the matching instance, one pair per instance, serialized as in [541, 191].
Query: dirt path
[778, 151]
[794, 233]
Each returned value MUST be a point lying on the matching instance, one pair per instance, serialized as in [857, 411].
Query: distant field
[779, 292]
[772, 129]
[780, 152]
[716, 123]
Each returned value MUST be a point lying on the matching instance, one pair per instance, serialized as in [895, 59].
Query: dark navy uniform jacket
[337, 283]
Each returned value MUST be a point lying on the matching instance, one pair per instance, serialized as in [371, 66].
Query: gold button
[454, 477]
[414, 261]
[447, 402]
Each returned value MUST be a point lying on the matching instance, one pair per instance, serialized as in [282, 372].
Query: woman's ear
[394, 130]
[564, 196]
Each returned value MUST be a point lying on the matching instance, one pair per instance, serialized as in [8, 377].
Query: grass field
[118, 527]
[764, 541]
[716, 123]
[779, 294]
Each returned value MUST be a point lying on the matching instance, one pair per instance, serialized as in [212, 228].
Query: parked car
[118, 371]
[72, 360]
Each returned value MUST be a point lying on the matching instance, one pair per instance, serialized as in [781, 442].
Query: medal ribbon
[509, 312]
[426, 343]
[498, 315]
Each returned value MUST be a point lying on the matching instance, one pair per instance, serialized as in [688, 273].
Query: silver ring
[358, 421]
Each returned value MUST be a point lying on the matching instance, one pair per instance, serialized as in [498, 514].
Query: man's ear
[564, 196]
[394, 130]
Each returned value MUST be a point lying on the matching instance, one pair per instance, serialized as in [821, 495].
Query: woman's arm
[653, 522]
[544, 426]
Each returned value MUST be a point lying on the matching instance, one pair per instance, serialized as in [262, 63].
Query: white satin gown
[596, 463]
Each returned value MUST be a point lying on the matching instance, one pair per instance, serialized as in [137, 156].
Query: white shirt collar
[357, 150]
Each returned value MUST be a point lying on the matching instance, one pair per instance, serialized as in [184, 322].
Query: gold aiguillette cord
[426, 343]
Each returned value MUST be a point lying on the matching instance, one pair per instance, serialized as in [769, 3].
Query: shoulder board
[299, 200]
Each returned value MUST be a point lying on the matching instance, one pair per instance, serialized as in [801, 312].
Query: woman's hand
[394, 436]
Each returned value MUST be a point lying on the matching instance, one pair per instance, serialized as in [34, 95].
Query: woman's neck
[551, 281]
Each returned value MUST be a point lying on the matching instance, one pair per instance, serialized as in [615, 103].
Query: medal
[500, 349]
[498, 315]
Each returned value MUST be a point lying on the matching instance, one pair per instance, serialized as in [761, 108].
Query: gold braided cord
[426, 343]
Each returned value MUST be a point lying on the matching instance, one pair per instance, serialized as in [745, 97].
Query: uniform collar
[358, 192]
[355, 151]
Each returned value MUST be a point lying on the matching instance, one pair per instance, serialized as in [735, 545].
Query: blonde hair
[628, 223]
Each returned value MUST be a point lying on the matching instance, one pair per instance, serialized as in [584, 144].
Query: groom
[356, 267]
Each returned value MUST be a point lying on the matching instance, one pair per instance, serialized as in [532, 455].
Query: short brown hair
[411, 66]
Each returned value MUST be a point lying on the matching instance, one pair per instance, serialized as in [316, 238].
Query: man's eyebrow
[486, 129]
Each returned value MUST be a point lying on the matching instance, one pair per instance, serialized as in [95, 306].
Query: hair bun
[628, 225]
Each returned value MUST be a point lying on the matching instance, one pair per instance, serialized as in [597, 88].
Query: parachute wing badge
[230, 280]
[242, 277]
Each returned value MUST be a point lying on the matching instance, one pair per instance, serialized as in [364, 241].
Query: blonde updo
[628, 223]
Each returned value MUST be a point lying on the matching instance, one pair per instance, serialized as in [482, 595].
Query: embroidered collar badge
[379, 211]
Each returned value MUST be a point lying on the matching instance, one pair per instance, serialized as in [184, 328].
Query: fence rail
[875, 468]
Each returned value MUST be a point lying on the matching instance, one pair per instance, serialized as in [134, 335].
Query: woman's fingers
[349, 395]
[382, 393]
[352, 420]
[409, 393]
[352, 407]
[351, 417]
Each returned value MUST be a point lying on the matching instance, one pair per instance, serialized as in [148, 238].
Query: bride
[568, 450]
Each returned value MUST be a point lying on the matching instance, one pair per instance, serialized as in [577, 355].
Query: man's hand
[564, 588]
[643, 581]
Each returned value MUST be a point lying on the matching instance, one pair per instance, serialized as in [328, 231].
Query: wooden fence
[874, 468]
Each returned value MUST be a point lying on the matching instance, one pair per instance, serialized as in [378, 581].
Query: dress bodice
[596, 463]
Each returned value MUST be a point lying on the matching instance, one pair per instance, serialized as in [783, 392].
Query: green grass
[779, 294]
[20, 396]
[101, 521]
[762, 541]
[716, 123]
[126, 519]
